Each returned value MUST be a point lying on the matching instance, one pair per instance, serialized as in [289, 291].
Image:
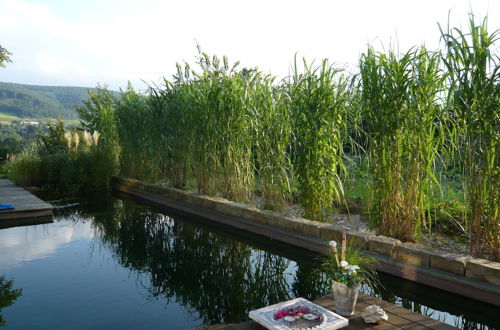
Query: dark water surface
[108, 263]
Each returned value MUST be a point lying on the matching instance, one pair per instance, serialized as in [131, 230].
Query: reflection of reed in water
[219, 280]
[214, 277]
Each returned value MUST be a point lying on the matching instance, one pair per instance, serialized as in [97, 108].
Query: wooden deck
[28, 208]
[399, 318]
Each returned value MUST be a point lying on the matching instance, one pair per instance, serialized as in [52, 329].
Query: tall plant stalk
[400, 101]
[474, 73]
[139, 150]
[223, 145]
[319, 100]
[173, 109]
[272, 131]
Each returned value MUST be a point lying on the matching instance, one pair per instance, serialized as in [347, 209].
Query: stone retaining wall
[408, 253]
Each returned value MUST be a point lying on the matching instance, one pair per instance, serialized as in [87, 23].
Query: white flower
[333, 244]
[344, 264]
[352, 269]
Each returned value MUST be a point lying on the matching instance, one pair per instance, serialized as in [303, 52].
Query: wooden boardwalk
[28, 208]
[399, 318]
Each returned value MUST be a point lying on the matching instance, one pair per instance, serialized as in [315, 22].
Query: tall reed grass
[397, 126]
[400, 99]
[173, 108]
[272, 132]
[474, 72]
[319, 99]
[222, 147]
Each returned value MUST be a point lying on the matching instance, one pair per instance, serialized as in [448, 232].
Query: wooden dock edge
[26, 205]
[399, 317]
[26, 221]
[232, 214]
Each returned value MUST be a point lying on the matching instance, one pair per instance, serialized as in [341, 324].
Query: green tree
[97, 109]
[4, 56]
[53, 140]
[98, 113]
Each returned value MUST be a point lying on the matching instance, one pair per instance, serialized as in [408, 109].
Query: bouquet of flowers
[352, 268]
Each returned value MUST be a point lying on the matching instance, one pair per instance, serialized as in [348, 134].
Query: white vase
[345, 298]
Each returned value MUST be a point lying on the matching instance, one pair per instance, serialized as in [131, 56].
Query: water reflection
[23, 244]
[8, 295]
[212, 276]
[218, 278]
[203, 274]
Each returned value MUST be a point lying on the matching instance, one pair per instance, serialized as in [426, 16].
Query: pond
[109, 263]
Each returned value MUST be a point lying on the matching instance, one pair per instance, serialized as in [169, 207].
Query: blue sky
[82, 43]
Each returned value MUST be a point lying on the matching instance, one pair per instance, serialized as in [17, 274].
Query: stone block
[228, 207]
[358, 239]
[132, 183]
[449, 262]
[483, 270]
[413, 254]
[331, 232]
[202, 200]
[292, 224]
[155, 189]
[264, 217]
[312, 228]
[252, 213]
[176, 194]
[382, 245]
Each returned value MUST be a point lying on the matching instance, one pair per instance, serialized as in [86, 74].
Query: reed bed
[398, 127]
[272, 133]
[474, 78]
[222, 160]
[318, 105]
[401, 102]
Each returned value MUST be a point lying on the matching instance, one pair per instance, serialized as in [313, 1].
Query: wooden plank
[26, 204]
[233, 326]
[247, 326]
[17, 222]
[399, 318]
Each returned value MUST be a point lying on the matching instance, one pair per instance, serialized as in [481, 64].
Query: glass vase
[345, 298]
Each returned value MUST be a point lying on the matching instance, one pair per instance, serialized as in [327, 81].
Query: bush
[61, 164]
[24, 168]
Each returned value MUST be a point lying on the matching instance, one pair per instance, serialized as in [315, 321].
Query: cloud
[103, 41]
[24, 244]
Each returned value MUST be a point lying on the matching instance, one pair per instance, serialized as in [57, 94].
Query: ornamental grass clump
[402, 107]
[173, 107]
[140, 141]
[474, 75]
[272, 132]
[222, 149]
[319, 100]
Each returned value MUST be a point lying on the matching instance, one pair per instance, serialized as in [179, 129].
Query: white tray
[265, 316]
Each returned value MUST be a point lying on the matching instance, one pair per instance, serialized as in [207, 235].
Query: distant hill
[32, 101]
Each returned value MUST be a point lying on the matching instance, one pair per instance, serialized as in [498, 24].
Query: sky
[85, 43]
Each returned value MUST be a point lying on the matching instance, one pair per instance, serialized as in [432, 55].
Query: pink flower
[280, 314]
